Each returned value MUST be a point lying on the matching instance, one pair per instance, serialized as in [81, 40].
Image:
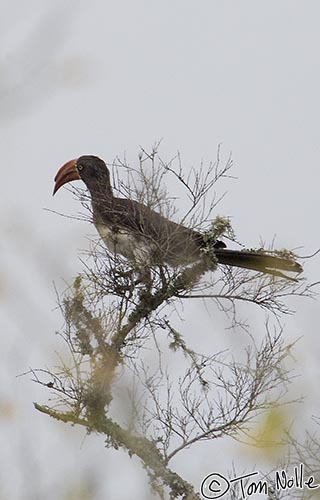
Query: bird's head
[91, 169]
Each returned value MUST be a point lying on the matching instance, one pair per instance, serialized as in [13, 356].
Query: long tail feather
[258, 261]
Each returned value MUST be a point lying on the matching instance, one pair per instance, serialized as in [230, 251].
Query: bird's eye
[80, 167]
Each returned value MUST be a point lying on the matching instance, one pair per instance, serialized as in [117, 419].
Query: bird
[147, 238]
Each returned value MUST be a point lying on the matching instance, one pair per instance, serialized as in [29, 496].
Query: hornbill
[146, 237]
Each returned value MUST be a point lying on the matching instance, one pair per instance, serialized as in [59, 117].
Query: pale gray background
[103, 78]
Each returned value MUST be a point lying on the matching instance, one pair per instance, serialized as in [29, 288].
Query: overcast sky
[104, 78]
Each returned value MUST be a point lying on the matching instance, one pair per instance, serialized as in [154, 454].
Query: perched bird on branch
[146, 237]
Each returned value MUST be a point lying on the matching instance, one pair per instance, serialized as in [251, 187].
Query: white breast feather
[126, 243]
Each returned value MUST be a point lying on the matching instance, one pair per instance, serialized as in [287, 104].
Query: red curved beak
[67, 173]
